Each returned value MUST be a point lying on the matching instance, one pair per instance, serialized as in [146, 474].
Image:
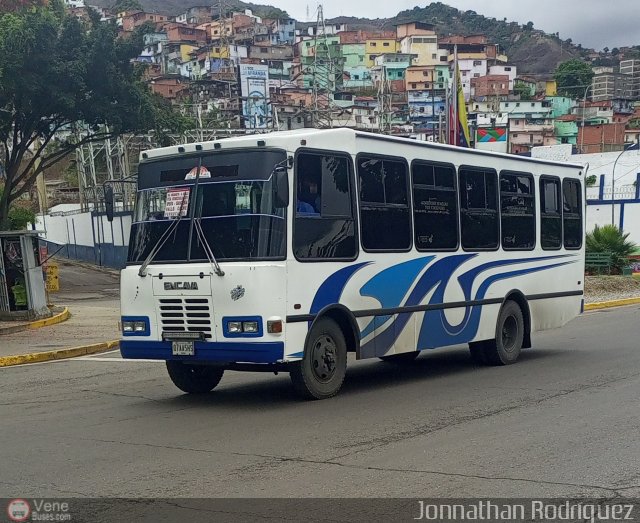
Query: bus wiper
[142, 272]
[207, 248]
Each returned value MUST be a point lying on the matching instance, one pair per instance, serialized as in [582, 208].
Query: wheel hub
[323, 361]
[509, 333]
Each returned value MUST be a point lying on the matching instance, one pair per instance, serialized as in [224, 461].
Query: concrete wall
[87, 236]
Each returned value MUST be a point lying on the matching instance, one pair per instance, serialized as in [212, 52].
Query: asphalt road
[564, 421]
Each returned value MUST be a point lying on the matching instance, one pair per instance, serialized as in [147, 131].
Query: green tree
[609, 238]
[58, 74]
[126, 5]
[573, 77]
[19, 216]
[522, 90]
[591, 180]
[166, 121]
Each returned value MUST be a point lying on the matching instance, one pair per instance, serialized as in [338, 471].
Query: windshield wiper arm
[207, 248]
[142, 272]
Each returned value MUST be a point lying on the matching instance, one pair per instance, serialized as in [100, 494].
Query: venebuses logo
[18, 510]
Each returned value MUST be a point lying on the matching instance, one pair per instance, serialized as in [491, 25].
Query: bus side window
[550, 213]
[435, 206]
[517, 211]
[324, 226]
[384, 204]
[479, 208]
[572, 213]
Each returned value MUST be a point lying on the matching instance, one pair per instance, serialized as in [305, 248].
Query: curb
[60, 354]
[609, 304]
[58, 318]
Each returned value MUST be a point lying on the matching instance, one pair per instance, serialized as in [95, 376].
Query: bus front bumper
[222, 352]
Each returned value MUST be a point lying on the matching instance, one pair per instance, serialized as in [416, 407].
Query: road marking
[110, 352]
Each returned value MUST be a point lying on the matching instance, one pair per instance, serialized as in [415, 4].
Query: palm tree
[609, 238]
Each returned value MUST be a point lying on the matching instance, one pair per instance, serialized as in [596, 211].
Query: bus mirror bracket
[281, 187]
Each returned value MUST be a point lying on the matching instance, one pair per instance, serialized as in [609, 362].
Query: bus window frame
[398, 159]
[294, 201]
[456, 190]
[482, 169]
[535, 209]
[557, 179]
[582, 211]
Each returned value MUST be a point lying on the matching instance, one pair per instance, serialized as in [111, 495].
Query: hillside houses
[394, 80]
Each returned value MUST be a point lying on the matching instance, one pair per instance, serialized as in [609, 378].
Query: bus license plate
[182, 348]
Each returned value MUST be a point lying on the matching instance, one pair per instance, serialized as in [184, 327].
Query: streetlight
[584, 109]
[613, 181]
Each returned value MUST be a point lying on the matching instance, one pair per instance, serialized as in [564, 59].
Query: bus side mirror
[108, 202]
[281, 188]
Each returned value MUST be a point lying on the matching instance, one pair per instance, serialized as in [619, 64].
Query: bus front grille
[186, 315]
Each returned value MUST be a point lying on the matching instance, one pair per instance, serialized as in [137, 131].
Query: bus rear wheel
[506, 347]
[194, 379]
[324, 365]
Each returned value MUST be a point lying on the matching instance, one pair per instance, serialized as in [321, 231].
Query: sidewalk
[92, 296]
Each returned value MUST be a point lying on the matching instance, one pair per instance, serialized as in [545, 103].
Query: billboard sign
[256, 110]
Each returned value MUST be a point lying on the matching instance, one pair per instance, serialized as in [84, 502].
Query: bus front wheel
[194, 379]
[506, 347]
[324, 365]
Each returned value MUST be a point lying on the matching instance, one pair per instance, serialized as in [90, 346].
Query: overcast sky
[593, 23]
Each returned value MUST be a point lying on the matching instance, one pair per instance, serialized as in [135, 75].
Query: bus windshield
[233, 199]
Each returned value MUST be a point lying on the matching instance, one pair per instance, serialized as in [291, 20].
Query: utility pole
[40, 183]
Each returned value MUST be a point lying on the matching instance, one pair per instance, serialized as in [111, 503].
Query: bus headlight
[139, 326]
[250, 327]
[135, 326]
[235, 327]
[242, 326]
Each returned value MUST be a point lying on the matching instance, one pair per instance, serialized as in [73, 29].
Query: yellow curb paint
[58, 318]
[608, 304]
[61, 354]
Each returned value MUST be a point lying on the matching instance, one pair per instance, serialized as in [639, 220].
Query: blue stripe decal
[331, 290]
[390, 286]
[439, 272]
[435, 330]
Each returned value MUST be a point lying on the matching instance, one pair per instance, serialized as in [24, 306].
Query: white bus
[286, 251]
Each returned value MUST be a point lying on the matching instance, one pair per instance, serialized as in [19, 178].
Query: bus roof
[340, 135]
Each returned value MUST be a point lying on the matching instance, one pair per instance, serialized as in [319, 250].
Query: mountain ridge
[533, 51]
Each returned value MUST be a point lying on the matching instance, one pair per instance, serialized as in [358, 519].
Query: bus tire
[505, 349]
[194, 379]
[403, 357]
[324, 365]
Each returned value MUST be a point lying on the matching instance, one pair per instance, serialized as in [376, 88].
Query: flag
[461, 124]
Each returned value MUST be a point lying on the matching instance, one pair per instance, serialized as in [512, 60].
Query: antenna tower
[384, 101]
[324, 75]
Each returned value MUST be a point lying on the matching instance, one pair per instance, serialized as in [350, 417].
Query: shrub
[609, 238]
